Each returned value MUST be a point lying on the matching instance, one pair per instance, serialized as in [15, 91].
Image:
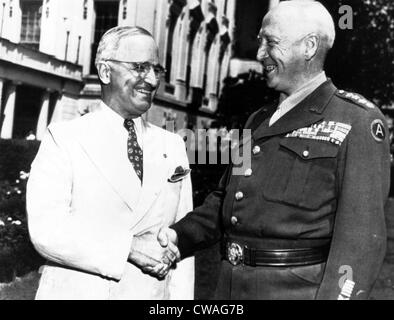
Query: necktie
[134, 151]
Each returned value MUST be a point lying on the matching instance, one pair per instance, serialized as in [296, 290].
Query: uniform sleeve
[202, 227]
[181, 285]
[359, 236]
[58, 232]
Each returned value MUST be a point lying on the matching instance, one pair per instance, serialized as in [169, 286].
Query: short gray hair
[110, 41]
[314, 15]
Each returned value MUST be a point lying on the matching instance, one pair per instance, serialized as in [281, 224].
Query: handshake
[155, 254]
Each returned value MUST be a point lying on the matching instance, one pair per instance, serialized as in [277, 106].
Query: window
[175, 11]
[196, 18]
[124, 13]
[85, 9]
[106, 18]
[212, 31]
[31, 23]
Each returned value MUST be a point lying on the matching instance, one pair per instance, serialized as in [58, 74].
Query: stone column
[1, 94]
[213, 103]
[8, 113]
[180, 90]
[58, 110]
[43, 117]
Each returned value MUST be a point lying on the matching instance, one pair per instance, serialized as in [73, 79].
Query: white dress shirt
[116, 121]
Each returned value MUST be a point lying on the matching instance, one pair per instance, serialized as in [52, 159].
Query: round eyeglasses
[142, 68]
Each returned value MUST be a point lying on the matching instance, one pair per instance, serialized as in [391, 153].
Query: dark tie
[134, 151]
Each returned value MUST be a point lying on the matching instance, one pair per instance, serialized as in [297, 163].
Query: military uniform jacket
[319, 174]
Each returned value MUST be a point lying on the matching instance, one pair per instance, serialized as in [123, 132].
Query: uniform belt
[237, 253]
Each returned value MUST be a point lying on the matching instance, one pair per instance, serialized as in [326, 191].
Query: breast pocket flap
[309, 149]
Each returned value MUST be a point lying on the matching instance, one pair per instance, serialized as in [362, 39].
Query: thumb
[162, 237]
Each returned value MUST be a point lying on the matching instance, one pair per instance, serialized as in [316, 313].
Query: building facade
[47, 51]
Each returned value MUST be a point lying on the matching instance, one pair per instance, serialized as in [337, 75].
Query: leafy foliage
[17, 255]
[362, 61]
[16, 155]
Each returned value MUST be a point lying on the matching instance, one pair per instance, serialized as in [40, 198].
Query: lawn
[207, 267]
[21, 288]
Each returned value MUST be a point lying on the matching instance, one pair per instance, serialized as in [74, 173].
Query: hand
[168, 238]
[150, 257]
[148, 264]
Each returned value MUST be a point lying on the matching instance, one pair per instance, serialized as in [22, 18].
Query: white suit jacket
[85, 203]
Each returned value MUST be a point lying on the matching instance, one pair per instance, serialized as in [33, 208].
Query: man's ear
[312, 43]
[104, 72]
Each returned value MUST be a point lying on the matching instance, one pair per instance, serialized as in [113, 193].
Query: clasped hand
[155, 255]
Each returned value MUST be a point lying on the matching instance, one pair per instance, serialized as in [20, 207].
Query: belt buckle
[235, 253]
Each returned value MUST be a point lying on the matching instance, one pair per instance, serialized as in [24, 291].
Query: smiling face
[281, 52]
[131, 95]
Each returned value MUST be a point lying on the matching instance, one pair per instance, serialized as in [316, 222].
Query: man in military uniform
[306, 220]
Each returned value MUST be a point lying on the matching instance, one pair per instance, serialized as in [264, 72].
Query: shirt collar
[117, 120]
[296, 97]
[138, 125]
[112, 117]
[312, 84]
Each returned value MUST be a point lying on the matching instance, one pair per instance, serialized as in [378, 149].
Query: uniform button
[234, 220]
[305, 154]
[248, 172]
[239, 195]
[256, 150]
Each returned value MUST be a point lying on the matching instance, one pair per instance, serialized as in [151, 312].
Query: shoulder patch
[377, 130]
[356, 98]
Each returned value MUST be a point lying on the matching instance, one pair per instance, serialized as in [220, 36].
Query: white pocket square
[179, 174]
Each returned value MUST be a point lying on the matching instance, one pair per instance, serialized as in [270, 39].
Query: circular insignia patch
[377, 130]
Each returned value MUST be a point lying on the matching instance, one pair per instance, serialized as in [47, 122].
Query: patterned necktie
[134, 151]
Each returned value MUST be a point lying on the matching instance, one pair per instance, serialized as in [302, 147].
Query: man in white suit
[102, 186]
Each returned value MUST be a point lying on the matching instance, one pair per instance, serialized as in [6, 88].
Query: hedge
[17, 255]
[15, 156]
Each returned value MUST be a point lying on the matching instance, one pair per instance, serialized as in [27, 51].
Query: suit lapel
[107, 148]
[155, 170]
[306, 113]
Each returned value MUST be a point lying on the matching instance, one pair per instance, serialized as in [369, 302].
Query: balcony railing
[26, 57]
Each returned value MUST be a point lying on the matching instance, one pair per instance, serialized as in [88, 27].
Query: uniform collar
[304, 114]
